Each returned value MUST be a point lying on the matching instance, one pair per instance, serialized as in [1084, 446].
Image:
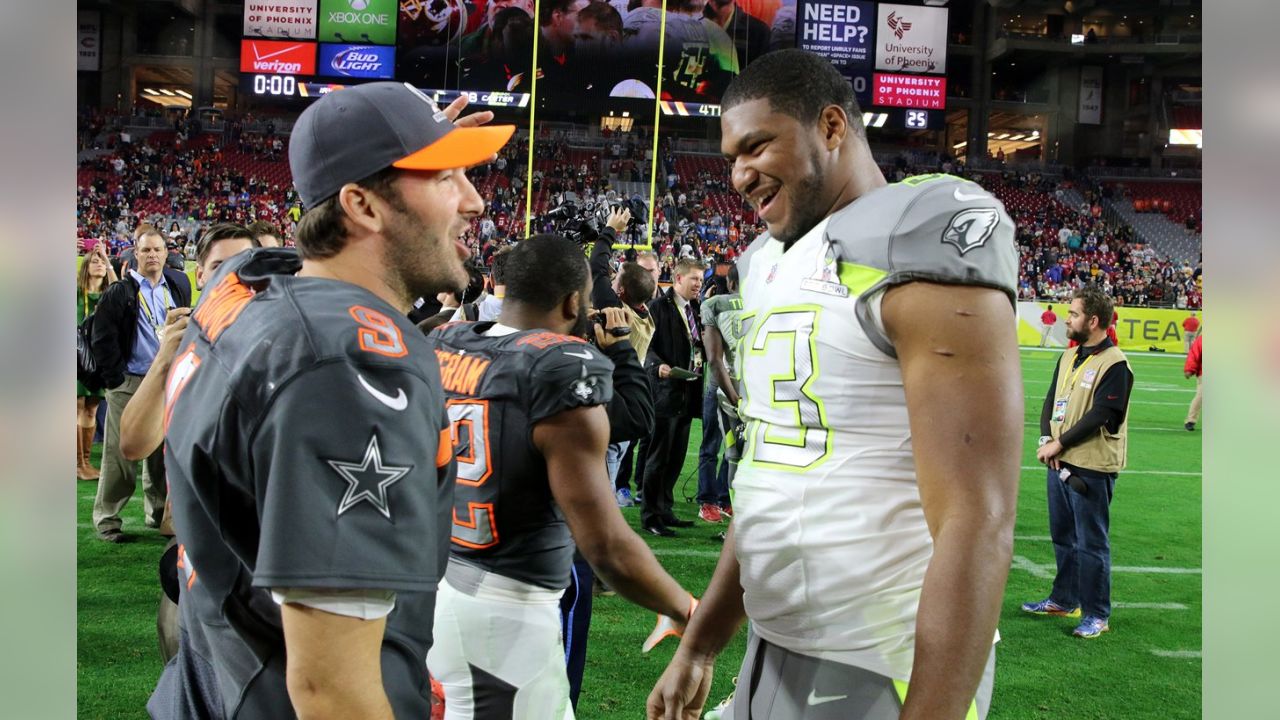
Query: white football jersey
[830, 533]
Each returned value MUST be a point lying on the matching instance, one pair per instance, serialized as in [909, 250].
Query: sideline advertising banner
[292, 19]
[1138, 329]
[88, 37]
[912, 39]
[354, 21]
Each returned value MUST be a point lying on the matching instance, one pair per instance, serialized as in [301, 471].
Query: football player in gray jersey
[874, 505]
[311, 483]
[526, 398]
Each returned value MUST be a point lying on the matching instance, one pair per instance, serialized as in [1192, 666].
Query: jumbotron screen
[588, 54]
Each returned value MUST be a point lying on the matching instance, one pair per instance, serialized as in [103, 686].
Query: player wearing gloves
[526, 398]
[882, 395]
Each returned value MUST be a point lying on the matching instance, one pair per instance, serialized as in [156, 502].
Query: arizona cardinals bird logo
[898, 25]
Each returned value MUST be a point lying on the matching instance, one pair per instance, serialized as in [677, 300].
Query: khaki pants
[1193, 413]
[119, 476]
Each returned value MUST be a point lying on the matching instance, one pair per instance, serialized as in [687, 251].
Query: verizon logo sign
[278, 57]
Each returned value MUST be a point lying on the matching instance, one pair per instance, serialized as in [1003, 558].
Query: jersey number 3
[791, 433]
[475, 527]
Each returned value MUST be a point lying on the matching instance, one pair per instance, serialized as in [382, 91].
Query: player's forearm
[720, 611]
[628, 566]
[957, 617]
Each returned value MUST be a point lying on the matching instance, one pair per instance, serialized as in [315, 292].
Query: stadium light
[150, 91]
[1002, 136]
[166, 91]
[185, 94]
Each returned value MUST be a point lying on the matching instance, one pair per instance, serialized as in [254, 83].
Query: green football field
[1148, 666]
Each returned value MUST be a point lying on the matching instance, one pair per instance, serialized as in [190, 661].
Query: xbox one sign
[355, 21]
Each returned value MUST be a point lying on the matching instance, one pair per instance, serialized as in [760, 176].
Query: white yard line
[1047, 570]
[1179, 654]
[1133, 472]
[1141, 428]
[1148, 606]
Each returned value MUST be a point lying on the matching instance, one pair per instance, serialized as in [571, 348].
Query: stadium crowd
[183, 181]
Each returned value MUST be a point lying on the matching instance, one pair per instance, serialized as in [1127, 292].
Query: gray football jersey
[304, 450]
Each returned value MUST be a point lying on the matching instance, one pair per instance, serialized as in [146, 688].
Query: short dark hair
[604, 15]
[322, 231]
[545, 269]
[547, 7]
[797, 83]
[222, 231]
[498, 268]
[262, 227]
[636, 282]
[1096, 304]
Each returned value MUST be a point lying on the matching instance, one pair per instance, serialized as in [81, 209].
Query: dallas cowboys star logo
[368, 480]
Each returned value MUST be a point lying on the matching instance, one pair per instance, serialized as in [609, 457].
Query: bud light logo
[357, 61]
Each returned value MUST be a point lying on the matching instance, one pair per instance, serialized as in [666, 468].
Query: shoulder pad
[566, 375]
[936, 228]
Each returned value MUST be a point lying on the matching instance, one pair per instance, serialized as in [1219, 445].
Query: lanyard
[146, 307]
[1068, 383]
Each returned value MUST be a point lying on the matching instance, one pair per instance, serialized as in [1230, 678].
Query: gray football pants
[778, 684]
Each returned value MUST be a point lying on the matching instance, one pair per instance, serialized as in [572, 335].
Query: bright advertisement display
[292, 19]
[357, 61]
[911, 39]
[358, 21]
[1138, 329]
[277, 57]
[843, 31]
[910, 91]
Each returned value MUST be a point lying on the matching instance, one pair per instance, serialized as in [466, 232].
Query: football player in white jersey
[874, 505]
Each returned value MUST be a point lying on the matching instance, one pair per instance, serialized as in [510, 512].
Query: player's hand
[447, 300]
[612, 317]
[618, 219]
[669, 626]
[175, 324]
[476, 119]
[664, 371]
[682, 690]
[1048, 453]
[1187, 374]
[454, 110]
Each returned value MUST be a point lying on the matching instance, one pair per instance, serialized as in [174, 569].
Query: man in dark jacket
[127, 329]
[676, 346]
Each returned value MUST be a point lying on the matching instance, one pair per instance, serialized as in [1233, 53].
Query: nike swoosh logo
[268, 56]
[966, 198]
[397, 403]
[816, 699]
[584, 355]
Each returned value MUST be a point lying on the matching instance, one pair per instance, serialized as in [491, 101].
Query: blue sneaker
[1091, 627]
[624, 497]
[1049, 607]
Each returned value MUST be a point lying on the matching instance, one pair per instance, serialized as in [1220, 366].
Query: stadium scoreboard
[893, 54]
